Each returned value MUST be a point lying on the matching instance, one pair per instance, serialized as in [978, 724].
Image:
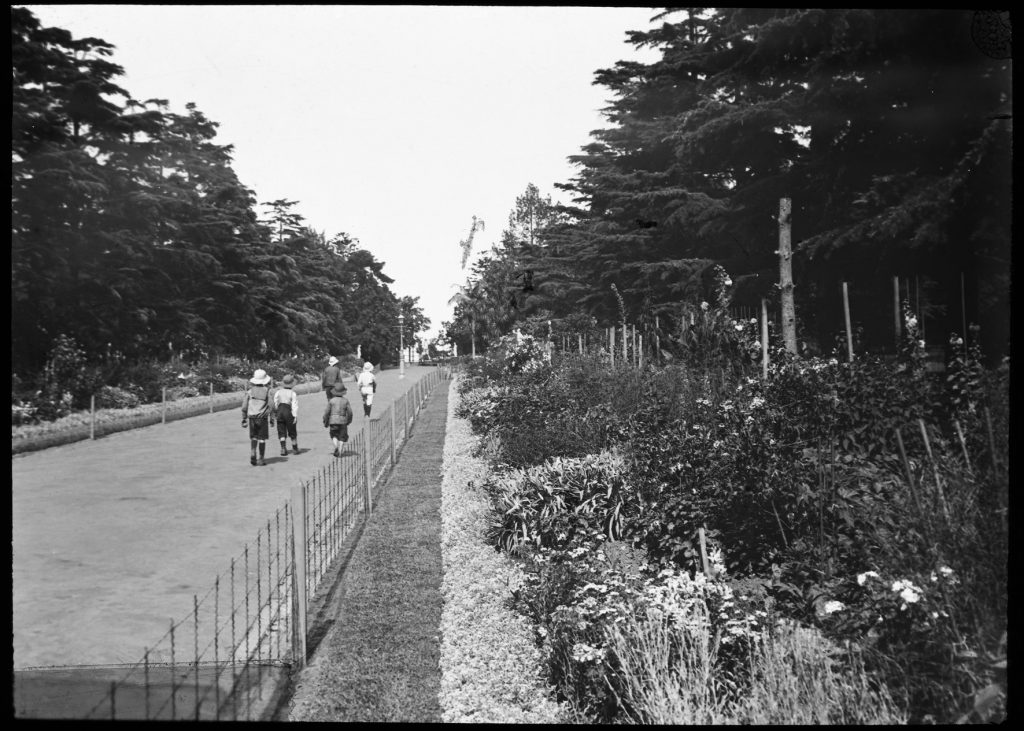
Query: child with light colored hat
[256, 414]
[367, 387]
[286, 406]
[332, 374]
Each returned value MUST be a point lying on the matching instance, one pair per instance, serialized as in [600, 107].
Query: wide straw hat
[367, 366]
[288, 380]
[260, 377]
[332, 360]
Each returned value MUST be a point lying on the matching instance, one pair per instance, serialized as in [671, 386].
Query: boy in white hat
[286, 407]
[256, 413]
[332, 374]
[367, 387]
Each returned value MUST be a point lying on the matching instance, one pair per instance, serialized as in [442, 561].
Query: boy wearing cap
[256, 413]
[332, 374]
[286, 406]
[338, 416]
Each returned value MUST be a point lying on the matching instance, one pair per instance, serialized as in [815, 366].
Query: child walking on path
[286, 406]
[338, 416]
[256, 414]
[367, 387]
[332, 374]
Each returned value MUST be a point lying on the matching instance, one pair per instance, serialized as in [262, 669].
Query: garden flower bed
[701, 545]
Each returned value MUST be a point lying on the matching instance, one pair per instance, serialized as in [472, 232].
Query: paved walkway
[112, 538]
[380, 659]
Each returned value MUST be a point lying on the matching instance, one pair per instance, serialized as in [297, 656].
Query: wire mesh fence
[230, 658]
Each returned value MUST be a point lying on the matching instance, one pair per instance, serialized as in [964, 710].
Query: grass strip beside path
[379, 661]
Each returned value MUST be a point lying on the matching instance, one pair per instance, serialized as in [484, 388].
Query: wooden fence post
[764, 339]
[368, 498]
[211, 397]
[299, 570]
[163, 405]
[786, 274]
[657, 339]
[849, 331]
[394, 453]
[963, 306]
[703, 550]
[625, 343]
[92, 416]
[611, 345]
[640, 352]
[896, 316]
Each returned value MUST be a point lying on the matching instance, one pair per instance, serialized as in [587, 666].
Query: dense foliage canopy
[132, 233]
[889, 130]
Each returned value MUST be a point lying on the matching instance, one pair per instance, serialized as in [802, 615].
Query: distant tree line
[890, 131]
[132, 234]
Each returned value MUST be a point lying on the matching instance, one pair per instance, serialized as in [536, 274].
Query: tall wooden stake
[764, 339]
[703, 550]
[657, 340]
[963, 306]
[935, 469]
[786, 274]
[611, 345]
[897, 319]
[917, 305]
[849, 331]
[963, 444]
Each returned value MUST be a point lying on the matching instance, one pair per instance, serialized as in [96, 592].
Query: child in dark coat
[338, 416]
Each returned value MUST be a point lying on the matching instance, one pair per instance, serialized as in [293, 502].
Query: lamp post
[401, 345]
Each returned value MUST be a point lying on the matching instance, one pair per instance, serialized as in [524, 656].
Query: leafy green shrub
[112, 397]
[550, 504]
[65, 382]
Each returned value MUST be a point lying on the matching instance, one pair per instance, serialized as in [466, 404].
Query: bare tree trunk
[786, 274]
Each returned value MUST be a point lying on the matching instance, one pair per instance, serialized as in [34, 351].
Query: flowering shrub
[910, 622]
[577, 598]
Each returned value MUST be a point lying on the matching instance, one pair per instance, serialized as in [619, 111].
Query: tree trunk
[786, 275]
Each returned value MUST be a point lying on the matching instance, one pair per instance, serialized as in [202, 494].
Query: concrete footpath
[112, 538]
[379, 656]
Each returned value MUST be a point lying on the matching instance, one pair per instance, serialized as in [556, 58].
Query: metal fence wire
[230, 658]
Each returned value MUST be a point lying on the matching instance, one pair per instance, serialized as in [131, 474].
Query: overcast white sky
[394, 124]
